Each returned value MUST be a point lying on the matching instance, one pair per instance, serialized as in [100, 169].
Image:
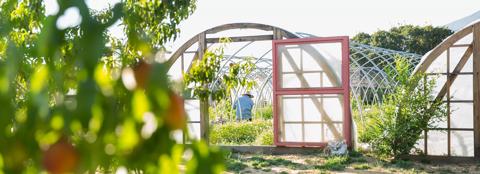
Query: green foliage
[265, 138]
[203, 73]
[393, 128]
[336, 163]
[264, 112]
[222, 110]
[234, 162]
[238, 132]
[361, 166]
[67, 109]
[408, 38]
[260, 162]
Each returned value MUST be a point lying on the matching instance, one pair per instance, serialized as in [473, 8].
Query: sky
[326, 17]
[318, 17]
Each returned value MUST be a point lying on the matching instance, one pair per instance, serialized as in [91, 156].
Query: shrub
[264, 112]
[334, 163]
[238, 132]
[222, 111]
[393, 128]
[266, 138]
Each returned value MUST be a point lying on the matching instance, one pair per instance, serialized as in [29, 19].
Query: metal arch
[369, 80]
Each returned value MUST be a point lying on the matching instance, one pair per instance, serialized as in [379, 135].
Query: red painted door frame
[344, 89]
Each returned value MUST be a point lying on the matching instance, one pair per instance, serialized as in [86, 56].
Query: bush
[264, 113]
[222, 110]
[266, 138]
[239, 132]
[393, 128]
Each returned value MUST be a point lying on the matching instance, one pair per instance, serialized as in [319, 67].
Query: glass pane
[332, 131]
[312, 113]
[310, 65]
[465, 40]
[439, 65]
[437, 143]
[441, 122]
[334, 108]
[456, 54]
[175, 71]
[440, 80]
[462, 143]
[192, 107]
[194, 130]
[462, 88]
[462, 115]
[292, 108]
[321, 115]
[312, 132]
[293, 133]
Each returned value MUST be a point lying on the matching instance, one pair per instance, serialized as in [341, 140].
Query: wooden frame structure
[367, 74]
[450, 69]
[340, 86]
[202, 40]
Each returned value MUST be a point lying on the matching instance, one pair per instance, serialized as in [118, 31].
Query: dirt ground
[356, 163]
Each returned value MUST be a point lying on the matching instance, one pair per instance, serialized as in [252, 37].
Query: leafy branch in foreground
[77, 100]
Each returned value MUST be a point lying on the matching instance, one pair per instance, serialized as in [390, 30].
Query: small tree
[393, 128]
[204, 72]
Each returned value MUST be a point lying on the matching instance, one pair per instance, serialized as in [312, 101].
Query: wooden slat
[239, 26]
[438, 50]
[204, 122]
[181, 50]
[461, 45]
[455, 72]
[476, 88]
[243, 38]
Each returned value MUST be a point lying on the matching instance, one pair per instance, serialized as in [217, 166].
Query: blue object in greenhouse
[243, 107]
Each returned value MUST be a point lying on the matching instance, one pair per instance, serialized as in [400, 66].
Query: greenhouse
[368, 82]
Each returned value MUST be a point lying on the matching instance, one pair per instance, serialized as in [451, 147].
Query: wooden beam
[277, 34]
[204, 118]
[476, 89]
[239, 26]
[439, 49]
[457, 70]
[243, 38]
[181, 50]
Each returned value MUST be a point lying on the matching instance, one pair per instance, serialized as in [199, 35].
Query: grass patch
[259, 163]
[336, 163]
[361, 166]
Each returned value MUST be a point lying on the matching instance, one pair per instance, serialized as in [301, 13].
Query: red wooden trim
[344, 89]
[301, 144]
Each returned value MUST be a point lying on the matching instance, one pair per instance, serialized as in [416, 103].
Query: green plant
[238, 132]
[361, 166]
[234, 163]
[394, 127]
[222, 110]
[260, 163]
[68, 108]
[204, 72]
[264, 112]
[336, 163]
[265, 138]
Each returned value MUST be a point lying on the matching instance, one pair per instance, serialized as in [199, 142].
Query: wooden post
[204, 120]
[476, 89]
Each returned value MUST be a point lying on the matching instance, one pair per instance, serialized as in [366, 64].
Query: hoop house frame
[342, 90]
